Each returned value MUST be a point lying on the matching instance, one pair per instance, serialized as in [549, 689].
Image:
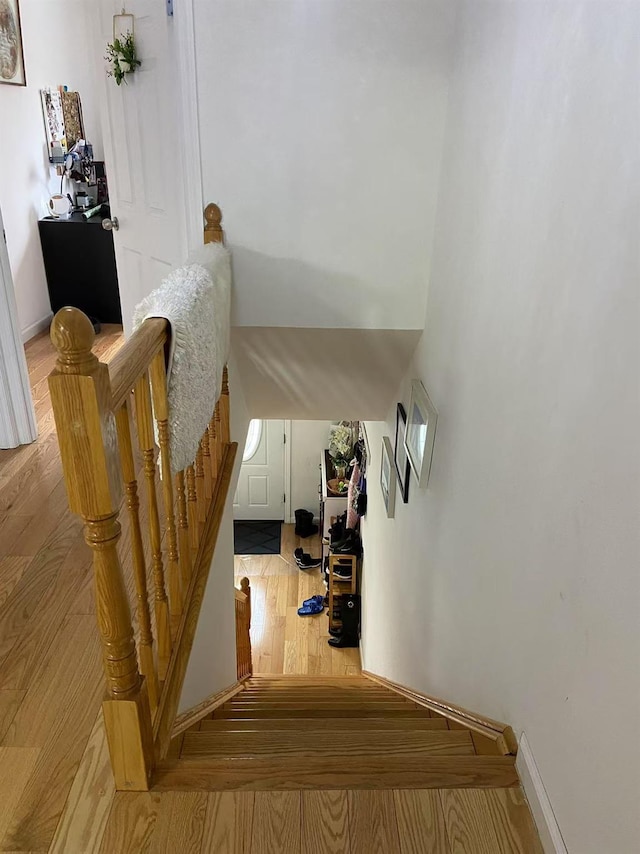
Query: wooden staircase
[291, 732]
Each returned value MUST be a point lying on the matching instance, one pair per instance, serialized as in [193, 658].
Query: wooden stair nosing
[321, 726]
[368, 772]
[347, 744]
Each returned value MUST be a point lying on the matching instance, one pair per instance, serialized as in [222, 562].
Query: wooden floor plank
[276, 823]
[470, 829]
[512, 821]
[229, 823]
[87, 808]
[9, 704]
[16, 766]
[325, 822]
[60, 721]
[131, 823]
[421, 826]
[179, 824]
[373, 826]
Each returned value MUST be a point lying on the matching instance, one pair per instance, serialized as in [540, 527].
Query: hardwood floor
[281, 641]
[50, 666]
[56, 789]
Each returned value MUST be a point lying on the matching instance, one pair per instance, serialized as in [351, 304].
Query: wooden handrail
[135, 356]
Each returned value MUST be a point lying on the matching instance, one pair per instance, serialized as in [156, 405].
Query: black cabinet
[80, 264]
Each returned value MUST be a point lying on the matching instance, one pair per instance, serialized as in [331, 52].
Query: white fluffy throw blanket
[196, 300]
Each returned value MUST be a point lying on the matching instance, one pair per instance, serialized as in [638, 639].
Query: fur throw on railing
[196, 300]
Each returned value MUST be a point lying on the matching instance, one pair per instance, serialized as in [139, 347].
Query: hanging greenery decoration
[121, 52]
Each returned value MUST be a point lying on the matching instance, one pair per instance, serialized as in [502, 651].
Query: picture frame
[388, 477]
[401, 460]
[12, 70]
[422, 420]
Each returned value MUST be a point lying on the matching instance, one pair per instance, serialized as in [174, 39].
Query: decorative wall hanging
[388, 478]
[421, 432]
[403, 468]
[121, 52]
[72, 115]
[11, 54]
[53, 116]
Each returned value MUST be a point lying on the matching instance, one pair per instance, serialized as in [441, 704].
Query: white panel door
[260, 493]
[143, 125]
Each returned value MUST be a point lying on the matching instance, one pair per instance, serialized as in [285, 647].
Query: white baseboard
[544, 817]
[37, 327]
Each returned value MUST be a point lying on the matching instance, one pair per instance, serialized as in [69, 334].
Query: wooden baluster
[202, 504]
[183, 534]
[206, 462]
[192, 507]
[158, 376]
[144, 423]
[224, 404]
[215, 454]
[145, 649]
[213, 232]
[81, 400]
[219, 443]
[248, 664]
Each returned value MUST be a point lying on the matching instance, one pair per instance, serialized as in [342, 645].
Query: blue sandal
[319, 598]
[311, 609]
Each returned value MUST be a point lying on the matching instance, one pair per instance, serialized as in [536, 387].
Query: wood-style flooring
[56, 789]
[281, 641]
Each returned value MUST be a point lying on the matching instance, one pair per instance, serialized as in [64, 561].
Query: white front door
[144, 125]
[261, 492]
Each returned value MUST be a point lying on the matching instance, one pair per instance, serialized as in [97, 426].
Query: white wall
[55, 52]
[308, 440]
[212, 663]
[321, 131]
[511, 586]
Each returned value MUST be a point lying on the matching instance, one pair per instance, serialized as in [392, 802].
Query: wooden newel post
[81, 399]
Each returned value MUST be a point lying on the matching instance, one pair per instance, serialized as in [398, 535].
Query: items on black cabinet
[80, 265]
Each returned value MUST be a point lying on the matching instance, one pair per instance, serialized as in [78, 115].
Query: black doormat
[256, 538]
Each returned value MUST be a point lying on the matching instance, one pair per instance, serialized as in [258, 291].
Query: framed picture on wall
[11, 53]
[388, 477]
[420, 434]
[403, 469]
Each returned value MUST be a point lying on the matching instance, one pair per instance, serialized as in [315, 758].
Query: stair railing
[105, 419]
[243, 630]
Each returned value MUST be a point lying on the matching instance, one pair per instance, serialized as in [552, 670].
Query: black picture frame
[400, 457]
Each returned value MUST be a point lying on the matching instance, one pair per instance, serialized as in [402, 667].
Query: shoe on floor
[308, 562]
[319, 598]
[311, 609]
[344, 641]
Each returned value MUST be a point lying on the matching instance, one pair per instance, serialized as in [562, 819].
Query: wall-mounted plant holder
[121, 52]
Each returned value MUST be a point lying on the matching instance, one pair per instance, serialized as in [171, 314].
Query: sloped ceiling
[321, 373]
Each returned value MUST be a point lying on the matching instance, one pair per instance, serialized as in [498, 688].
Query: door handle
[111, 224]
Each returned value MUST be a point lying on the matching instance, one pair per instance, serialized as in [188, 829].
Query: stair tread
[329, 743]
[321, 725]
[374, 712]
[336, 703]
[365, 772]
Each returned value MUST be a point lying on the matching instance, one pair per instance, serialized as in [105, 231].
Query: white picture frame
[422, 419]
[388, 477]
